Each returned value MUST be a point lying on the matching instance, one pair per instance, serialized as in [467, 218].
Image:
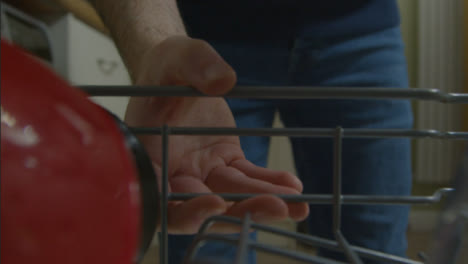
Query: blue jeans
[370, 166]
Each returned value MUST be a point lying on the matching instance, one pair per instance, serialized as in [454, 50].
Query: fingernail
[215, 71]
[208, 213]
[297, 180]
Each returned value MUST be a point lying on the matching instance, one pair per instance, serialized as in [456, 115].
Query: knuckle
[197, 46]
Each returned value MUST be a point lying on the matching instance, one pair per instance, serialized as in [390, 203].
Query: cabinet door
[91, 58]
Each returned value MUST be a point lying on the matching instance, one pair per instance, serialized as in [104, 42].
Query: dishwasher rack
[453, 217]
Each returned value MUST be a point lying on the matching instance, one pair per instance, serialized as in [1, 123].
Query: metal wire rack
[354, 254]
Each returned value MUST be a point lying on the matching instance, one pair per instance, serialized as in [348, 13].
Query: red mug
[76, 186]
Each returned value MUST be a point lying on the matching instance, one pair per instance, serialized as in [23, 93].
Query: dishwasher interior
[448, 237]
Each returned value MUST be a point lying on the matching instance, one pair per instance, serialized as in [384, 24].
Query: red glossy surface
[69, 191]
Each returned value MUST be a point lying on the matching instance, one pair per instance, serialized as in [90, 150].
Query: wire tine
[306, 132]
[196, 244]
[349, 252]
[337, 195]
[199, 241]
[311, 240]
[284, 92]
[333, 245]
[327, 198]
[244, 241]
[163, 249]
[294, 254]
[271, 249]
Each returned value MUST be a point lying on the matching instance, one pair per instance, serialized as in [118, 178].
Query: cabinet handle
[107, 67]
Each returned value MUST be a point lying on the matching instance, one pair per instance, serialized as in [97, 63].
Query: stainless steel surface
[338, 198]
[349, 252]
[286, 92]
[164, 258]
[328, 198]
[307, 132]
[337, 195]
[244, 241]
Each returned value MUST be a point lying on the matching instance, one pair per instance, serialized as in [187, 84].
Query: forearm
[138, 25]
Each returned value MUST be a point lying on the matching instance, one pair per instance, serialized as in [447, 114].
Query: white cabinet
[85, 56]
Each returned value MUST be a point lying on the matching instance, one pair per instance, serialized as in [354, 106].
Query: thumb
[197, 64]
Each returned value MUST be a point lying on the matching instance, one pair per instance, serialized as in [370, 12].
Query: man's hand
[204, 164]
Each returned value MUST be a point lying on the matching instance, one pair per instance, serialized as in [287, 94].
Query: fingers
[232, 180]
[297, 211]
[276, 177]
[188, 184]
[262, 209]
[194, 62]
[267, 209]
[187, 217]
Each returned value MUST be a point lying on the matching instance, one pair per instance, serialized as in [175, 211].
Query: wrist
[138, 26]
[153, 57]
